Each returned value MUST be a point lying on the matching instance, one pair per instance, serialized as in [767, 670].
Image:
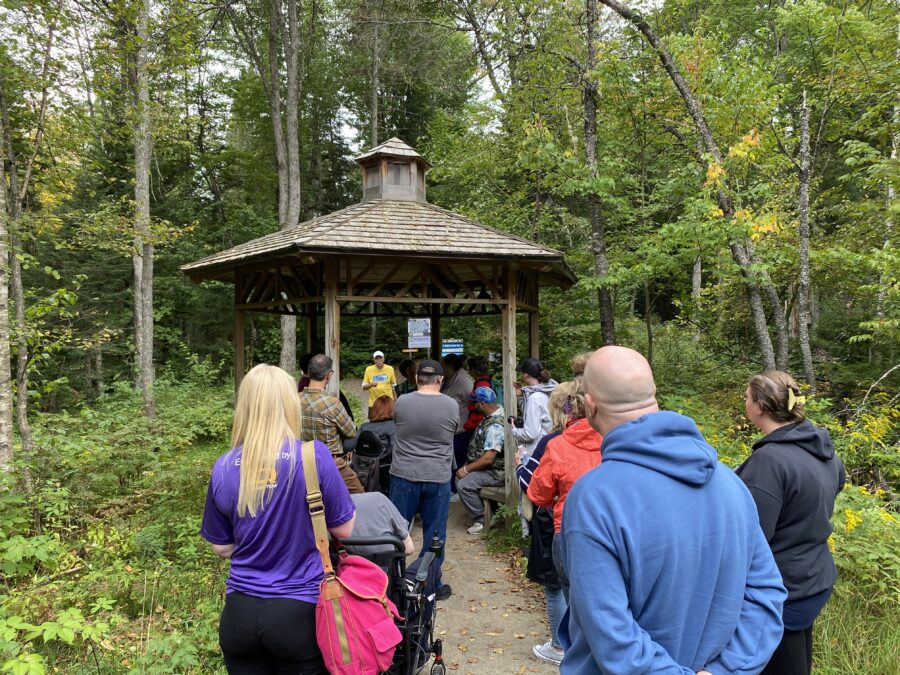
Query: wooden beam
[534, 336]
[435, 332]
[508, 337]
[312, 329]
[333, 326]
[282, 302]
[239, 364]
[424, 301]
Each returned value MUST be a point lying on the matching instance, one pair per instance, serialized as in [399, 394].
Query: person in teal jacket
[669, 569]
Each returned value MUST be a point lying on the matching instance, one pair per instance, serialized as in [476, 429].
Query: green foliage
[866, 545]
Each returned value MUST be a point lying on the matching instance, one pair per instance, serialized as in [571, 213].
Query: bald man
[669, 569]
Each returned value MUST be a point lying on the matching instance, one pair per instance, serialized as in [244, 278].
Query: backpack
[366, 461]
[355, 626]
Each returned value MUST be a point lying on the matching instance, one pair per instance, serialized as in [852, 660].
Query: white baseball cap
[377, 354]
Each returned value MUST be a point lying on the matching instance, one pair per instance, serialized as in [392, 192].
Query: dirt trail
[495, 616]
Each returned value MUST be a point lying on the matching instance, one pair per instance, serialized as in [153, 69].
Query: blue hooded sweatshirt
[669, 569]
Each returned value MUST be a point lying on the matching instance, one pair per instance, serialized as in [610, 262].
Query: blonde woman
[256, 515]
[794, 477]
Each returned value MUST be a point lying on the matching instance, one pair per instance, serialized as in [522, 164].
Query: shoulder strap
[316, 507]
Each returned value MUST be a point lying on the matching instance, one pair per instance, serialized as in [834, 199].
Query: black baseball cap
[430, 367]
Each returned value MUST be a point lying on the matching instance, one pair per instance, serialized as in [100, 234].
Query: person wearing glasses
[323, 418]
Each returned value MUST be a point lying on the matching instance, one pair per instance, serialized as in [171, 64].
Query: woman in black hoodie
[794, 477]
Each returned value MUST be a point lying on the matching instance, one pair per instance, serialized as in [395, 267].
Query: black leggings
[793, 655]
[269, 636]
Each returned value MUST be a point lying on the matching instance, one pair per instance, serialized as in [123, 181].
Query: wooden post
[534, 336]
[508, 333]
[436, 331]
[312, 329]
[333, 324]
[239, 365]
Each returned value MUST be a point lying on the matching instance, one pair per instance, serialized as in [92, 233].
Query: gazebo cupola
[393, 170]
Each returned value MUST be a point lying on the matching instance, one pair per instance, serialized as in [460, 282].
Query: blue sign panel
[451, 347]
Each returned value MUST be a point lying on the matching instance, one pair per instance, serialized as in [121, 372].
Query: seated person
[484, 461]
[376, 516]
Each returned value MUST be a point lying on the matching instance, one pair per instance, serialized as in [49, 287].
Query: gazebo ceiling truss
[375, 286]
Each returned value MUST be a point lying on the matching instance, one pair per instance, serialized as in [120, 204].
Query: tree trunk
[598, 226]
[6, 392]
[376, 68]
[696, 289]
[142, 258]
[13, 209]
[738, 251]
[804, 322]
[286, 136]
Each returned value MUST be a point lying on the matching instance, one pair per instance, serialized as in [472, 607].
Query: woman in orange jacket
[568, 457]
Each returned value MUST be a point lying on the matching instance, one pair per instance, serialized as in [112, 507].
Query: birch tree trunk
[15, 198]
[142, 258]
[598, 226]
[739, 252]
[803, 291]
[6, 392]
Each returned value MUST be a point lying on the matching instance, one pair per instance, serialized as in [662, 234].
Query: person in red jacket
[568, 457]
[478, 367]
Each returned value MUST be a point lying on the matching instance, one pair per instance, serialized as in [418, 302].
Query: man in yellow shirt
[379, 379]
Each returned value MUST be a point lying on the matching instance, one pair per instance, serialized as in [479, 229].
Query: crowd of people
[652, 555]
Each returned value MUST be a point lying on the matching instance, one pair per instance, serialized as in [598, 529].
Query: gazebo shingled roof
[387, 227]
[392, 254]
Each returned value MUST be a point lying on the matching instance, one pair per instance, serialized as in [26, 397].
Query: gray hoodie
[535, 417]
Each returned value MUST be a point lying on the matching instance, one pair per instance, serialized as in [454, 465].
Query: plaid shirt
[323, 418]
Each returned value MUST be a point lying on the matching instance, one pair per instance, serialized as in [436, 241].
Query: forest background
[722, 177]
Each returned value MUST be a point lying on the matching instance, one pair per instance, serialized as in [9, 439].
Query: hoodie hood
[541, 387]
[665, 442]
[814, 440]
[582, 436]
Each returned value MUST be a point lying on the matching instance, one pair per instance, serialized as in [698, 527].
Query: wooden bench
[489, 495]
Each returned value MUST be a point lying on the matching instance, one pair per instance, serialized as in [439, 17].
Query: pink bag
[355, 625]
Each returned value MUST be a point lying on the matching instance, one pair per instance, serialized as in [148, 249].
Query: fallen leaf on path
[462, 648]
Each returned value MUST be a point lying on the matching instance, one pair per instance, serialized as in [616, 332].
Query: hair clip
[794, 400]
[567, 406]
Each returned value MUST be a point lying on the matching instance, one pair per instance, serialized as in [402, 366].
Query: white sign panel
[419, 333]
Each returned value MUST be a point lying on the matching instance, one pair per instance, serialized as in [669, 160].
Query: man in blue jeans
[426, 421]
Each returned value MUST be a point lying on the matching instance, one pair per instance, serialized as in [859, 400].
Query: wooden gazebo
[393, 254]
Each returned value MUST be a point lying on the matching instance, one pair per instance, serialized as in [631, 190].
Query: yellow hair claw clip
[794, 400]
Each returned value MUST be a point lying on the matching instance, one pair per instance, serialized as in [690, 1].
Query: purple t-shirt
[275, 553]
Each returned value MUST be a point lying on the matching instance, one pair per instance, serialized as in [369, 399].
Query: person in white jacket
[533, 393]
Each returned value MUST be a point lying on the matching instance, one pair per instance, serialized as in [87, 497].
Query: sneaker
[454, 498]
[444, 592]
[547, 652]
[477, 527]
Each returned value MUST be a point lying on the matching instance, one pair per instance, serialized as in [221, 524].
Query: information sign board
[419, 333]
[451, 346]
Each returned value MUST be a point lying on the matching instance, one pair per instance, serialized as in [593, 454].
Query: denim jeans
[432, 502]
[556, 609]
[558, 563]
